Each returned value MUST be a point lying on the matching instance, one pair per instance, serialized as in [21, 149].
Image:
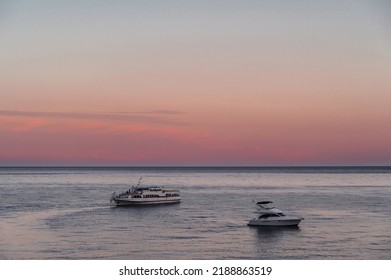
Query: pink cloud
[69, 140]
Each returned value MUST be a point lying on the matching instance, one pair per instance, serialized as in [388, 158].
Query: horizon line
[194, 166]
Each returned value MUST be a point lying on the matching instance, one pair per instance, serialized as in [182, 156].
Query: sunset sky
[215, 82]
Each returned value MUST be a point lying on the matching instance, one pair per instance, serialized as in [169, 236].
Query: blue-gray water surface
[64, 213]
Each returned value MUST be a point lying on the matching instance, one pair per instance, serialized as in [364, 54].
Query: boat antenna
[139, 182]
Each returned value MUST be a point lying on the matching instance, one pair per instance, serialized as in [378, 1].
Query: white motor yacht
[271, 216]
[145, 196]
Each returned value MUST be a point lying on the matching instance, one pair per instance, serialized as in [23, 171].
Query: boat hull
[144, 201]
[275, 223]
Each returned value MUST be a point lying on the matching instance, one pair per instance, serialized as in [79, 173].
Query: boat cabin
[271, 215]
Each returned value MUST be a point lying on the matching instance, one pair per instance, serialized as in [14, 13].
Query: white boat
[145, 196]
[271, 216]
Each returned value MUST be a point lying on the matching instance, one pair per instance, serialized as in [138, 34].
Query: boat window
[265, 216]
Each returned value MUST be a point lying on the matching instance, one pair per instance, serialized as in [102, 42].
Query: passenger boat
[271, 216]
[138, 195]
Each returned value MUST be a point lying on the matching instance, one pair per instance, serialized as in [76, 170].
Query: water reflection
[273, 232]
[275, 242]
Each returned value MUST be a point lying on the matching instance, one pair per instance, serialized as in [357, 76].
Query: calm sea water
[64, 213]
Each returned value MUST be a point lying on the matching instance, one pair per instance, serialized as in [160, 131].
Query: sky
[217, 82]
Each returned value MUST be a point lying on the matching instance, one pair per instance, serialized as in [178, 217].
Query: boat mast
[139, 182]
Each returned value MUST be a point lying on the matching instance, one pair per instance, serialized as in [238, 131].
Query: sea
[61, 213]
